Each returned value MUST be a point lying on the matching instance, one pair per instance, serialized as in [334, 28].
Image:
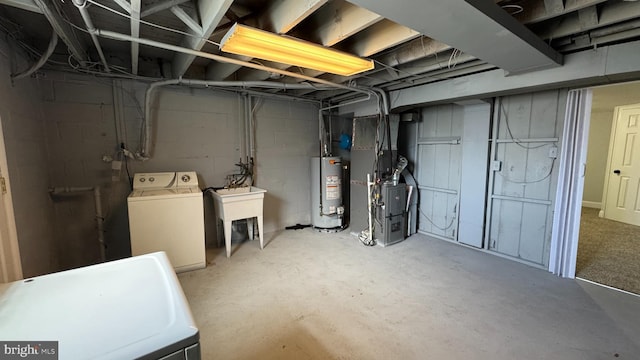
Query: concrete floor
[321, 296]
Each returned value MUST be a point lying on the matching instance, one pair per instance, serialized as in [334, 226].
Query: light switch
[496, 165]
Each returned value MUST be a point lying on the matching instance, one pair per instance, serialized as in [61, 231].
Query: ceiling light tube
[247, 41]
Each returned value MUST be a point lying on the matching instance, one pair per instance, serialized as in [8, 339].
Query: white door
[10, 266]
[621, 193]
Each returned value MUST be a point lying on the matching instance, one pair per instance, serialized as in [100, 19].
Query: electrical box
[390, 226]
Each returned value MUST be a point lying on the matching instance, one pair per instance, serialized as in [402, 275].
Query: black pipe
[389, 142]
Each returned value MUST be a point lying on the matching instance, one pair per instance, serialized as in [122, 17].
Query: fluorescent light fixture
[247, 41]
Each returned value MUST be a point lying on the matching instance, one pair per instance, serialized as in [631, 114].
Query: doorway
[607, 249]
[10, 265]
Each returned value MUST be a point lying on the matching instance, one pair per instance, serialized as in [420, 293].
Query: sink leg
[260, 232]
[219, 225]
[227, 236]
[250, 228]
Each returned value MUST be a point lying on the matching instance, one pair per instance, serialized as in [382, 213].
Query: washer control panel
[165, 180]
[186, 178]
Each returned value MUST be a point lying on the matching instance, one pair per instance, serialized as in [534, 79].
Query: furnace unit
[390, 214]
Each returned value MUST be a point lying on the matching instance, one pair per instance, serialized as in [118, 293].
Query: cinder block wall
[193, 129]
[28, 177]
[287, 137]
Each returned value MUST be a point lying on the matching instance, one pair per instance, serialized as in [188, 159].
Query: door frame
[568, 202]
[614, 123]
[10, 263]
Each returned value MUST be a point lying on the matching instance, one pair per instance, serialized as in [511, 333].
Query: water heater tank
[326, 193]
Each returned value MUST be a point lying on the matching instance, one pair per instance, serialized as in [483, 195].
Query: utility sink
[236, 204]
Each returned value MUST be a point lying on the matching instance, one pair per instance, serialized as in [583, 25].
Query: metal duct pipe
[82, 7]
[43, 59]
[252, 140]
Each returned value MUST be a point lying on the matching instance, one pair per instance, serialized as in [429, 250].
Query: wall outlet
[553, 152]
[116, 166]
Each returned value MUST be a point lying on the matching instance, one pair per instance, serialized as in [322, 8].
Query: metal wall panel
[438, 170]
[473, 179]
[526, 128]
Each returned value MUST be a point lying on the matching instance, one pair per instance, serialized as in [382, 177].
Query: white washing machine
[166, 213]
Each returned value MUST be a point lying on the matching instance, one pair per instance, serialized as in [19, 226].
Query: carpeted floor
[608, 252]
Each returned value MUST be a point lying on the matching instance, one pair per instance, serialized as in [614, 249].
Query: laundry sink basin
[237, 204]
[238, 190]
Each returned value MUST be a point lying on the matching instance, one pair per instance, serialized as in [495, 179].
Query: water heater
[326, 193]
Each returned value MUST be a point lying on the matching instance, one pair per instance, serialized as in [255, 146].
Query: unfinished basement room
[319, 179]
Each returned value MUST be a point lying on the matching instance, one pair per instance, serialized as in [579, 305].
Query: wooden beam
[135, 32]
[161, 7]
[186, 19]
[554, 6]
[534, 11]
[28, 5]
[341, 20]
[124, 4]
[588, 17]
[62, 28]
[283, 15]
[608, 14]
[378, 37]
[211, 13]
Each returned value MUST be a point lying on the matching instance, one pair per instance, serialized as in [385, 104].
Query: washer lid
[122, 309]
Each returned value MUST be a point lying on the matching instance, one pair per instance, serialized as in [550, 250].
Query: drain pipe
[97, 199]
[82, 7]
[43, 59]
[252, 140]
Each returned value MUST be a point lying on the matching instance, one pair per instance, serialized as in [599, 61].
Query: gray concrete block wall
[193, 129]
[79, 119]
[28, 175]
[286, 139]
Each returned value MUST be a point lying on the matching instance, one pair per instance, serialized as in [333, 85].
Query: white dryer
[166, 213]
